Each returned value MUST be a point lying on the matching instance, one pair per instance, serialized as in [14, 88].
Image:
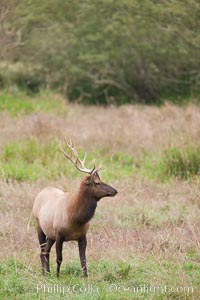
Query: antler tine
[85, 155]
[77, 162]
[70, 144]
[100, 167]
[65, 154]
[96, 169]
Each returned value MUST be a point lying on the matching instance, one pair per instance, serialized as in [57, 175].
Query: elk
[62, 217]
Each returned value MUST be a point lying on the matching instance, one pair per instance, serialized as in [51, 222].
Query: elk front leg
[59, 245]
[82, 243]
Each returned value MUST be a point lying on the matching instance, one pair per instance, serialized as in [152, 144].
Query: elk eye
[97, 183]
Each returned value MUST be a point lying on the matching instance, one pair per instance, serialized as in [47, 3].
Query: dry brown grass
[127, 128]
[146, 218]
[134, 222]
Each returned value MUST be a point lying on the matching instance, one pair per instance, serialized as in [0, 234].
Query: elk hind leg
[46, 254]
[42, 242]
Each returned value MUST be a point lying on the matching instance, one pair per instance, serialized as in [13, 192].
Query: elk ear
[96, 179]
[87, 181]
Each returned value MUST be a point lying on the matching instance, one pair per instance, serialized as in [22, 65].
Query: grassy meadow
[142, 244]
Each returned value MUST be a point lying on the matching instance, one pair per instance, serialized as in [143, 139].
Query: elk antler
[77, 162]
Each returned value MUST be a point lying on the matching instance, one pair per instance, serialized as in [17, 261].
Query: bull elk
[62, 217]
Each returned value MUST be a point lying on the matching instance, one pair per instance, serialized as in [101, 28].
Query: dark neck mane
[82, 208]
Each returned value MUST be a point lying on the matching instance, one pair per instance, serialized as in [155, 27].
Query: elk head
[92, 183]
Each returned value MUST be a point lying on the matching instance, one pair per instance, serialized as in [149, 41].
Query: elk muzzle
[108, 190]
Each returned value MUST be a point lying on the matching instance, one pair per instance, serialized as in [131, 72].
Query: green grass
[20, 103]
[31, 160]
[182, 163]
[173, 162]
[107, 280]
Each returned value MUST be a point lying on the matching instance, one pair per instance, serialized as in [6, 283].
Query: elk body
[64, 217]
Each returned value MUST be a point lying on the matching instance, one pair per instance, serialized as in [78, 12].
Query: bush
[25, 77]
[182, 163]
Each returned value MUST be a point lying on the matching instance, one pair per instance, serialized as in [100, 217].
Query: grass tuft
[182, 163]
[174, 162]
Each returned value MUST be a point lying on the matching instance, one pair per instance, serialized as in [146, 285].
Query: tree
[112, 50]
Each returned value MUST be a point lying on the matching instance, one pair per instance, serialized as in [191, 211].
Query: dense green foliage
[103, 51]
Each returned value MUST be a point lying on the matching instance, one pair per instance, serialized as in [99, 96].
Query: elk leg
[46, 254]
[59, 245]
[42, 241]
[82, 243]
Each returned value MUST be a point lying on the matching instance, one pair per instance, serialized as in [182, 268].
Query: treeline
[108, 51]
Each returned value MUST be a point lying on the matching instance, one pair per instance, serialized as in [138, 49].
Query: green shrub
[27, 78]
[182, 163]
